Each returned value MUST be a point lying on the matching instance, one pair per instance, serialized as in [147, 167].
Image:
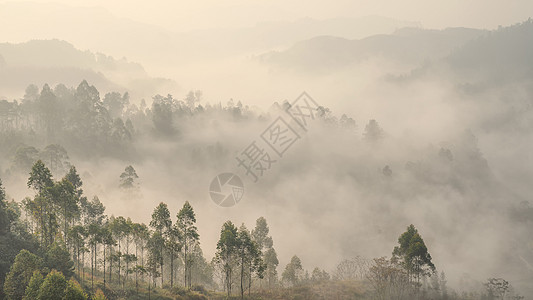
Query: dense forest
[59, 242]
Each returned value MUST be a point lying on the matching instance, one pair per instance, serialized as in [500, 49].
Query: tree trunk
[104, 265]
[250, 281]
[119, 259]
[185, 263]
[162, 258]
[65, 228]
[83, 264]
[189, 278]
[92, 268]
[171, 268]
[242, 276]
[111, 265]
[136, 271]
[142, 261]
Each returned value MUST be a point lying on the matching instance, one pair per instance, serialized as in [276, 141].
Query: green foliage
[155, 246]
[74, 291]
[57, 158]
[53, 287]
[99, 295]
[115, 103]
[10, 246]
[20, 274]
[201, 271]
[92, 211]
[40, 177]
[162, 224]
[226, 254]
[293, 272]
[73, 177]
[65, 202]
[265, 245]
[186, 227]
[413, 254]
[161, 221]
[57, 257]
[42, 207]
[4, 218]
[388, 279]
[271, 261]
[128, 177]
[260, 234]
[162, 114]
[32, 290]
[319, 275]
[49, 110]
[25, 157]
[248, 257]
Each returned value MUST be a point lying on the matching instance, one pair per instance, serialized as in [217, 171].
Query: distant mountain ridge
[139, 41]
[61, 54]
[55, 61]
[408, 45]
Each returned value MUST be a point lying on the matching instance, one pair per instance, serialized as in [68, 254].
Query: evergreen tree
[20, 274]
[57, 257]
[53, 287]
[32, 290]
[74, 291]
[293, 273]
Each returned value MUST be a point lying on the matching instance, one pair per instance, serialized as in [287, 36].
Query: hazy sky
[197, 14]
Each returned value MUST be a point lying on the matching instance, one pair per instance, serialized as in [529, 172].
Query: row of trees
[69, 116]
[60, 220]
[62, 228]
[81, 121]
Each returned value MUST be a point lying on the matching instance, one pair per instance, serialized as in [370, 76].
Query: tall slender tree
[186, 220]
[41, 180]
[141, 235]
[265, 244]
[118, 228]
[162, 224]
[226, 254]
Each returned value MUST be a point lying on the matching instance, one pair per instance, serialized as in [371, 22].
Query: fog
[451, 91]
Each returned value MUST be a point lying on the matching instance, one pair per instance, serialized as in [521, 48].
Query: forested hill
[171, 147]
